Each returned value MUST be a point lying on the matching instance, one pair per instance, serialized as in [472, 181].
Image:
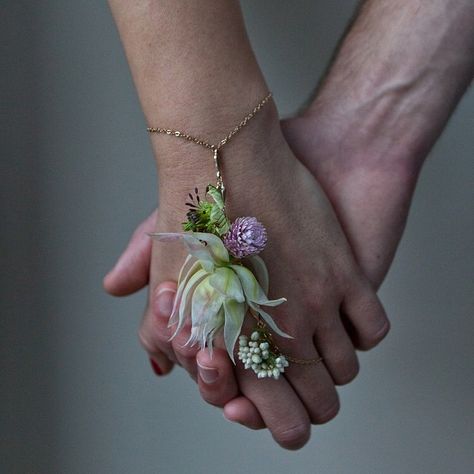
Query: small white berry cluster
[257, 355]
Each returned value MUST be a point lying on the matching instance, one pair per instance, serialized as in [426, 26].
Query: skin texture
[368, 176]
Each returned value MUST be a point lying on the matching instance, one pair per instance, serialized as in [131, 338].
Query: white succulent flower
[216, 291]
[257, 354]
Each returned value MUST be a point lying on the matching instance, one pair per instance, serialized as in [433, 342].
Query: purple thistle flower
[246, 236]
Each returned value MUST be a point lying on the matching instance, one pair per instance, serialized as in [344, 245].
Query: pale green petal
[266, 302]
[216, 195]
[226, 282]
[234, 318]
[184, 268]
[182, 282]
[219, 219]
[208, 248]
[215, 246]
[185, 302]
[206, 303]
[260, 270]
[253, 291]
[196, 248]
[219, 322]
[269, 320]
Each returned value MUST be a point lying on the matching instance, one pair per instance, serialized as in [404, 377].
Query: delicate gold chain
[205, 143]
[210, 146]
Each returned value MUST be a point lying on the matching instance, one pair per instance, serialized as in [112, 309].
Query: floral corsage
[223, 279]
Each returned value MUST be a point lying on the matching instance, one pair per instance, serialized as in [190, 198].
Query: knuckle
[186, 352]
[152, 341]
[317, 294]
[213, 397]
[326, 324]
[138, 233]
[313, 303]
[154, 344]
[326, 415]
[293, 437]
[181, 347]
[145, 341]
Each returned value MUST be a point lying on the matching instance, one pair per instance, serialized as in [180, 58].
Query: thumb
[131, 271]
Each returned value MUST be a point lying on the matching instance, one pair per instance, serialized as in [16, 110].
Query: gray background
[77, 175]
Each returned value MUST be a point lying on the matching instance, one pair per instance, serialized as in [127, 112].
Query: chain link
[205, 143]
[210, 146]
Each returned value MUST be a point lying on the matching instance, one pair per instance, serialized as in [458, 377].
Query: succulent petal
[208, 248]
[269, 320]
[216, 195]
[182, 282]
[213, 245]
[206, 303]
[219, 322]
[234, 318]
[260, 270]
[252, 290]
[186, 299]
[226, 282]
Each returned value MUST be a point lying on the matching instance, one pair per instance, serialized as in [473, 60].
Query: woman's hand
[310, 263]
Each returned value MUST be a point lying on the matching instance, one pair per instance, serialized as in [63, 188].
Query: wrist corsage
[223, 278]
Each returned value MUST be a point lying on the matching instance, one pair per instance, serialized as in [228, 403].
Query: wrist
[377, 130]
[184, 165]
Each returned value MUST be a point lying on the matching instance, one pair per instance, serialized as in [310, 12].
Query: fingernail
[165, 299]
[383, 329]
[156, 367]
[207, 374]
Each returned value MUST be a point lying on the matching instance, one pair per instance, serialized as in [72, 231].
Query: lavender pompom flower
[247, 236]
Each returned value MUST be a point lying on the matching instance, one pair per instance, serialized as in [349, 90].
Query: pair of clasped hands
[333, 224]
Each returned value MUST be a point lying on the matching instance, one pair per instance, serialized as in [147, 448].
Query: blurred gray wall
[77, 394]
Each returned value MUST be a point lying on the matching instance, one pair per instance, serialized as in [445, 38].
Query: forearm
[191, 62]
[397, 77]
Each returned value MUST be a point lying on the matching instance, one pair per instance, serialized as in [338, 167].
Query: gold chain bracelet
[214, 147]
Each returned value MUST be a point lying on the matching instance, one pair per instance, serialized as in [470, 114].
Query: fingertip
[160, 364]
[122, 281]
[368, 343]
[367, 317]
[109, 284]
[242, 411]
[131, 271]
